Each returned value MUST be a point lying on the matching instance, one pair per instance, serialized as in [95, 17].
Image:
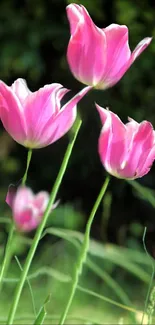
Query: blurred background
[33, 42]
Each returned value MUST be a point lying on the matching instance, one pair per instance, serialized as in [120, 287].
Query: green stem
[29, 155]
[8, 250]
[41, 227]
[7, 255]
[84, 250]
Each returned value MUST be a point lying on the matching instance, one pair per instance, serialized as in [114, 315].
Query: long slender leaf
[42, 313]
[103, 252]
[29, 285]
[143, 192]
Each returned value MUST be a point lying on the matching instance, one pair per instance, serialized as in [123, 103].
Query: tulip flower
[126, 150]
[35, 119]
[27, 208]
[99, 57]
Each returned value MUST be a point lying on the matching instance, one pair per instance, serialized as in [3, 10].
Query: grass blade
[42, 313]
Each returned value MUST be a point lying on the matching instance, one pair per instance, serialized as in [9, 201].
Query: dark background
[33, 42]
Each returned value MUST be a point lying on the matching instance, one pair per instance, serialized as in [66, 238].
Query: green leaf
[144, 192]
[108, 252]
[42, 313]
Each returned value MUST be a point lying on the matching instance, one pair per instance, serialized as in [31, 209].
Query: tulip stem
[41, 227]
[8, 249]
[29, 156]
[7, 255]
[84, 249]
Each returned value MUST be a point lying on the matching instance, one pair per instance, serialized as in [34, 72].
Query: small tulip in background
[99, 57]
[27, 208]
[36, 119]
[126, 150]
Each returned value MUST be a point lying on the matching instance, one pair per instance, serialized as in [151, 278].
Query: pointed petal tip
[101, 109]
[19, 81]
[103, 112]
[141, 46]
[74, 15]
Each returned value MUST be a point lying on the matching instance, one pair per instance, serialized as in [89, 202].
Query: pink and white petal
[11, 113]
[57, 128]
[131, 129]
[131, 122]
[39, 108]
[40, 201]
[104, 144]
[118, 51]
[86, 51]
[59, 95]
[104, 113]
[117, 146]
[131, 126]
[27, 219]
[14, 125]
[8, 98]
[117, 125]
[54, 206]
[109, 82]
[142, 142]
[75, 100]
[67, 115]
[95, 39]
[145, 168]
[59, 124]
[105, 136]
[75, 16]
[140, 48]
[24, 196]
[19, 87]
[112, 142]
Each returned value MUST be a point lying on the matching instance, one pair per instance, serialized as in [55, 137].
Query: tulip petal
[39, 108]
[75, 16]
[118, 51]
[111, 141]
[41, 200]
[86, 51]
[59, 96]
[140, 48]
[23, 196]
[102, 112]
[141, 145]
[27, 219]
[58, 126]
[145, 168]
[11, 113]
[19, 87]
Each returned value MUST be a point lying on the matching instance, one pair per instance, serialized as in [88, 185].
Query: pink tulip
[99, 57]
[126, 150]
[27, 208]
[35, 119]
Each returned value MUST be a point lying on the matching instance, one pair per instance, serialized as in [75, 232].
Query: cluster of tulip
[98, 58]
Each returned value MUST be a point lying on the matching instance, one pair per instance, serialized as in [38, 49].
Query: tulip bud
[126, 150]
